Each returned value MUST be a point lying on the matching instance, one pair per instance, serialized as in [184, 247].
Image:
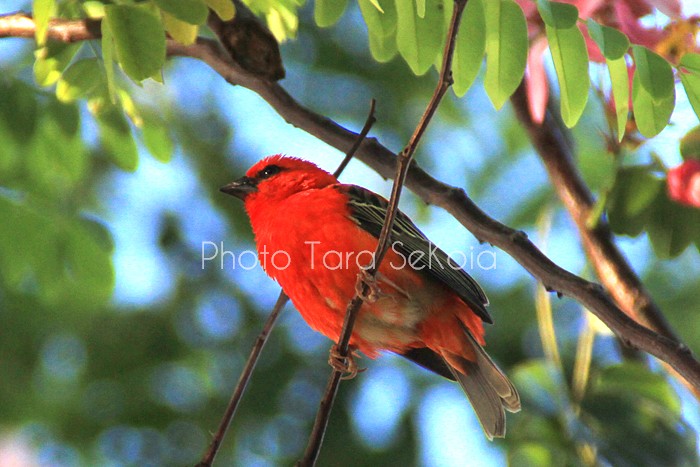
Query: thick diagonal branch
[612, 268]
[452, 199]
[445, 81]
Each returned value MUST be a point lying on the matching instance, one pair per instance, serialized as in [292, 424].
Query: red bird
[313, 234]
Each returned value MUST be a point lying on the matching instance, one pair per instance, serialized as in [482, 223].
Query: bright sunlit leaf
[654, 73]
[619, 79]
[42, 11]
[651, 115]
[80, 80]
[381, 26]
[506, 49]
[470, 47]
[225, 9]
[420, 8]
[190, 11]
[52, 60]
[139, 40]
[419, 39]
[570, 58]
[183, 32]
[612, 43]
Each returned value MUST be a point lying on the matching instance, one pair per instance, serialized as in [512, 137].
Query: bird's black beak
[240, 188]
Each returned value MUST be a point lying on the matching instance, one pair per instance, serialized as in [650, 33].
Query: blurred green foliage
[86, 378]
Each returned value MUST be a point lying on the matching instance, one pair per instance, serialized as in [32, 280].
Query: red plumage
[315, 227]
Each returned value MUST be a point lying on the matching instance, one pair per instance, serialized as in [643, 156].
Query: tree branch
[453, 200]
[22, 25]
[613, 270]
[445, 81]
[247, 372]
[210, 454]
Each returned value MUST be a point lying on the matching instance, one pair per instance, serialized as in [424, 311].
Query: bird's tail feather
[489, 390]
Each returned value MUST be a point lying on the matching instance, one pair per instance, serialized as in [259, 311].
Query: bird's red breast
[322, 249]
[314, 234]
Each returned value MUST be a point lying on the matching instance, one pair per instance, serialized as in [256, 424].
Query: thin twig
[371, 119]
[453, 199]
[210, 454]
[260, 342]
[323, 415]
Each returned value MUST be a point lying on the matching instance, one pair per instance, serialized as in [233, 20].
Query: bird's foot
[373, 293]
[345, 365]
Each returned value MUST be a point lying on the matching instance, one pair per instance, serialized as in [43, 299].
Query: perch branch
[313, 447]
[210, 454]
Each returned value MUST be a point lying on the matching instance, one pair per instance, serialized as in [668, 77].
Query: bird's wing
[368, 210]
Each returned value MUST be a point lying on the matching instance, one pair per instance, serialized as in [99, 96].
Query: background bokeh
[140, 374]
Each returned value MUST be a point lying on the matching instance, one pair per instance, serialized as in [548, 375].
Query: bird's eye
[269, 171]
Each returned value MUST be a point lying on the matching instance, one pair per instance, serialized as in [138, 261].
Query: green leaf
[57, 160]
[117, 139]
[634, 417]
[690, 144]
[672, 227]
[65, 116]
[381, 26]
[654, 73]
[557, 15]
[89, 263]
[570, 58]
[20, 235]
[420, 8]
[328, 12]
[419, 39]
[157, 138]
[82, 79]
[190, 11]
[139, 40]
[108, 58]
[19, 110]
[648, 385]
[42, 11]
[375, 4]
[691, 84]
[628, 202]
[619, 79]
[52, 60]
[184, 33]
[691, 61]
[651, 115]
[612, 43]
[530, 454]
[225, 9]
[470, 47]
[506, 49]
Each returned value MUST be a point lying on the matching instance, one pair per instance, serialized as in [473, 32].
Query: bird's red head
[278, 177]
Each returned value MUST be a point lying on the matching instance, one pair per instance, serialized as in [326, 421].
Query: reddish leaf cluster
[627, 16]
[684, 183]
